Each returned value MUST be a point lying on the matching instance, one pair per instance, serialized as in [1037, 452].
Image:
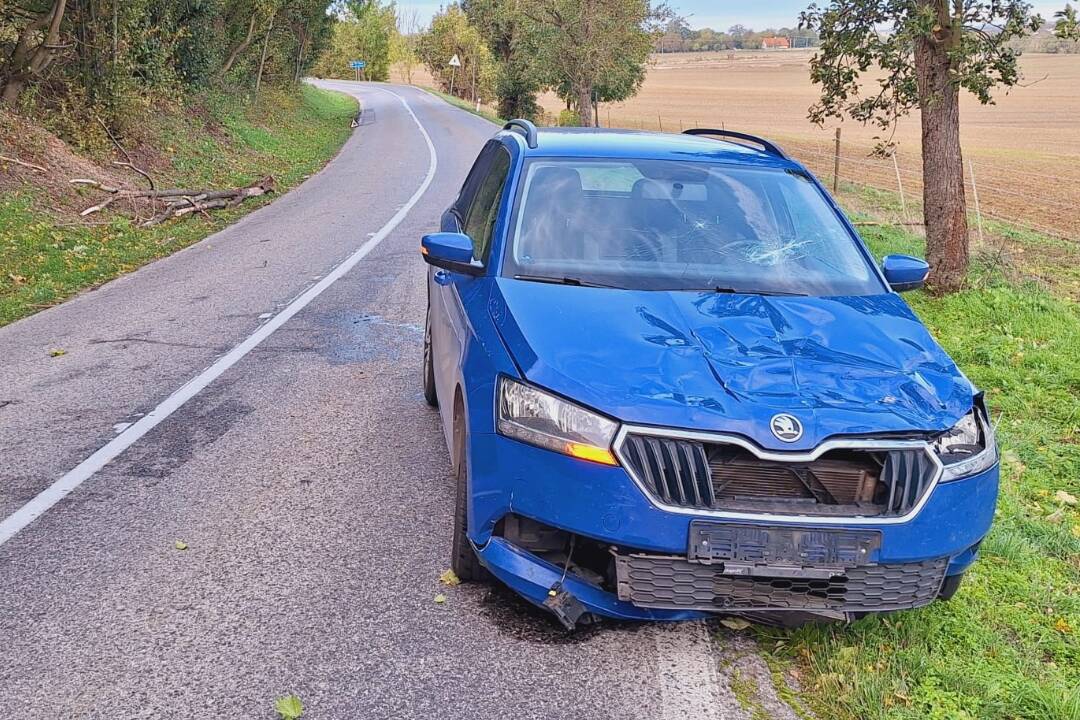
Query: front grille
[676, 471]
[717, 476]
[656, 581]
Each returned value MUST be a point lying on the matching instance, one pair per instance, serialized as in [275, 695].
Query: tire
[463, 561]
[430, 395]
[950, 586]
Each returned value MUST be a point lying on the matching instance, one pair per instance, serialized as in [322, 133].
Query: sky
[722, 14]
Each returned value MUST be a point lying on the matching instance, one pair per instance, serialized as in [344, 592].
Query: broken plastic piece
[567, 608]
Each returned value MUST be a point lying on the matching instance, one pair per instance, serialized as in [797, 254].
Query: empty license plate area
[780, 551]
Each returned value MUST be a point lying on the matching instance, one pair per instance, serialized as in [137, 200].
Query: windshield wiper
[578, 282]
[734, 291]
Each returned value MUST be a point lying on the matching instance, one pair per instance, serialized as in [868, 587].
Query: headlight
[539, 418]
[968, 448]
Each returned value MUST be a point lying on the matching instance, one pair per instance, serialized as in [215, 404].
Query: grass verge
[217, 142]
[1021, 253]
[465, 105]
[1006, 646]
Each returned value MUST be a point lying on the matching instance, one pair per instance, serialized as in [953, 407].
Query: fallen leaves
[289, 707]
[735, 623]
[440, 599]
[180, 545]
[57, 353]
[450, 579]
[1065, 498]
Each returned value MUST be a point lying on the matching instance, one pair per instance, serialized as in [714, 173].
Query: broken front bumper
[657, 574]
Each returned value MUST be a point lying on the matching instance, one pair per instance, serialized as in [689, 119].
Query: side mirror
[450, 251]
[904, 272]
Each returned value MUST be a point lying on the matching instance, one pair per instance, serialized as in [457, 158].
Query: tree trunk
[300, 55]
[262, 58]
[25, 60]
[244, 44]
[584, 103]
[944, 203]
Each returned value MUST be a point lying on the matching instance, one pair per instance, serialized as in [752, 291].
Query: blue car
[675, 383]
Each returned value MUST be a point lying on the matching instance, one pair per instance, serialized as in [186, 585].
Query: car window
[472, 182]
[682, 225]
[609, 177]
[480, 223]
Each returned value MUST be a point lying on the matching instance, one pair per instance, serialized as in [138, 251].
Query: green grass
[1006, 646]
[220, 142]
[466, 105]
[1020, 251]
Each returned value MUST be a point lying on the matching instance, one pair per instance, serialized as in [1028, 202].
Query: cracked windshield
[673, 225]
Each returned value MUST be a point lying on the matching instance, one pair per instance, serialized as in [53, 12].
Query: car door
[474, 214]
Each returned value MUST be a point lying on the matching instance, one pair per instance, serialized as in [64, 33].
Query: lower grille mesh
[656, 581]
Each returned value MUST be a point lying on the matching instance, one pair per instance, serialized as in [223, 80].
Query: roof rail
[526, 128]
[768, 146]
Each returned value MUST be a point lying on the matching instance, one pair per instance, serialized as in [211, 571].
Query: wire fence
[999, 194]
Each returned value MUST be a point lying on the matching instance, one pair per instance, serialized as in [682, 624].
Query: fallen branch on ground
[32, 166]
[130, 165]
[178, 202]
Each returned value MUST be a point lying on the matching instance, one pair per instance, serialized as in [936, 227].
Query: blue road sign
[358, 64]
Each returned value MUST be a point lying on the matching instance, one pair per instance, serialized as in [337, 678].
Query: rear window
[672, 225]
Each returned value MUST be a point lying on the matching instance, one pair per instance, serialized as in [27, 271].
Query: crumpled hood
[729, 363]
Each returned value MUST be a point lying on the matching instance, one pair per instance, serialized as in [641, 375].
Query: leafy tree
[738, 35]
[926, 51]
[452, 34]
[504, 28]
[583, 45]
[1067, 26]
[364, 30]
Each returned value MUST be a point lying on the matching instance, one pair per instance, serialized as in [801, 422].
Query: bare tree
[408, 31]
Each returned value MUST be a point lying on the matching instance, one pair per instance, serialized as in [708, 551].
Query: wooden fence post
[900, 184]
[836, 165]
[975, 193]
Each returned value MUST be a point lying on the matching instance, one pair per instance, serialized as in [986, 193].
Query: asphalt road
[307, 478]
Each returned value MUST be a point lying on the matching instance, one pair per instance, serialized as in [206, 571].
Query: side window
[472, 182]
[480, 223]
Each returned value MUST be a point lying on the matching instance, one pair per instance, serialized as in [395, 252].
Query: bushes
[70, 63]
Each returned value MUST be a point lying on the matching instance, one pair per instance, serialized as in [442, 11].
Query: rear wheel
[463, 561]
[430, 395]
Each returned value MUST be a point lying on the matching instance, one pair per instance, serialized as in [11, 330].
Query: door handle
[443, 278]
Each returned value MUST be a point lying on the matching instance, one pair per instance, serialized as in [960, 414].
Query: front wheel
[950, 586]
[430, 395]
[463, 561]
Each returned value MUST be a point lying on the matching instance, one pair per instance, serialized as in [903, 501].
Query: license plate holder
[752, 545]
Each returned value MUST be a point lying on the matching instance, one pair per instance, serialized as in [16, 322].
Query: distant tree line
[677, 36]
[112, 59]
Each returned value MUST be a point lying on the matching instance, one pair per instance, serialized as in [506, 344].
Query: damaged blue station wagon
[674, 382]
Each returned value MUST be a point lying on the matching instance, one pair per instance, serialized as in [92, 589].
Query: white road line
[86, 469]
[689, 681]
